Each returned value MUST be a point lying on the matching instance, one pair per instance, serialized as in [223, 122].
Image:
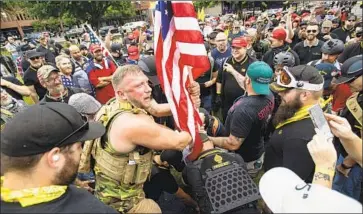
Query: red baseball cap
[279, 34]
[94, 48]
[239, 42]
[133, 52]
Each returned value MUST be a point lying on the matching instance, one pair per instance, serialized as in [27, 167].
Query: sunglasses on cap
[34, 58]
[85, 126]
[311, 31]
[287, 80]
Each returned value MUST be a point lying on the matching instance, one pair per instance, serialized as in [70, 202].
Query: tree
[51, 10]
[93, 11]
[15, 8]
[204, 3]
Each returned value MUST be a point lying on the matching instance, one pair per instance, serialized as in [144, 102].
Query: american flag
[180, 50]
[95, 40]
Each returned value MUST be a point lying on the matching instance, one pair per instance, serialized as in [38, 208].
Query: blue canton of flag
[166, 11]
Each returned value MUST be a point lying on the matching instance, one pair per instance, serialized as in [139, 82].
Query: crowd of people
[101, 122]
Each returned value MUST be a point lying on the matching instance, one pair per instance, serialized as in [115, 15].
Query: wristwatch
[345, 166]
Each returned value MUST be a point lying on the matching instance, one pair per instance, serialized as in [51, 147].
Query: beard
[138, 103]
[67, 174]
[286, 111]
[311, 37]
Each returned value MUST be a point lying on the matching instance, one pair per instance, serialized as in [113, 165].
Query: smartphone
[319, 121]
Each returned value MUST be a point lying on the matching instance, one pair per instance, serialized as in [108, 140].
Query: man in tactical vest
[123, 156]
[348, 181]
[220, 183]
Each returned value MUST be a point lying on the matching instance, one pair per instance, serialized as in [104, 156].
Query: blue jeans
[351, 185]
[206, 102]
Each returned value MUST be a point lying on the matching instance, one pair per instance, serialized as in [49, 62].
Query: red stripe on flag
[189, 36]
[183, 9]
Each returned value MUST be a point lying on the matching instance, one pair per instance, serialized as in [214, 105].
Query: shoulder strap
[354, 107]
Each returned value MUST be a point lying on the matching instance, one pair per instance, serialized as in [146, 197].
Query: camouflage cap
[45, 71]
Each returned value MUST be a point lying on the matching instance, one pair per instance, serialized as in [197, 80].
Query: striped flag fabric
[180, 57]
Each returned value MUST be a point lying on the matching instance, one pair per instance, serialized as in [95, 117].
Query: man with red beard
[40, 164]
[300, 88]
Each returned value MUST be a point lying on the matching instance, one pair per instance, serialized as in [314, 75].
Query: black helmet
[333, 47]
[351, 69]
[285, 58]
[115, 47]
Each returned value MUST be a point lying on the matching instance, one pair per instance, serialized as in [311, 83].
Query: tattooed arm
[231, 143]
[324, 176]
[239, 77]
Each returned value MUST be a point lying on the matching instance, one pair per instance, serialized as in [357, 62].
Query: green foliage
[199, 4]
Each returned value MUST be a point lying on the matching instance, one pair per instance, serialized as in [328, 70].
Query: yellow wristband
[219, 93]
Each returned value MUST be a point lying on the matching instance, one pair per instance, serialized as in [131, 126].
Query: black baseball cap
[83, 47]
[305, 73]
[45, 126]
[350, 69]
[33, 53]
[174, 158]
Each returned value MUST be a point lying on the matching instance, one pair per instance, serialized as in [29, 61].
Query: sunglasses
[311, 31]
[351, 20]
[247, 25]
[287, 80]
[84, 127]
[34, 58]
[283, 23]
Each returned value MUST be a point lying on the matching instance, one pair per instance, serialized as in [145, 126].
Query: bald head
[221, 42]
[75, 52]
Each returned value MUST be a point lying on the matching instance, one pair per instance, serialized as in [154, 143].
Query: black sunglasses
[313, 31]
[85, 126]
[34, 58]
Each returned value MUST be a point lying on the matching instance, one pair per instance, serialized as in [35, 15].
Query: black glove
[218, 102]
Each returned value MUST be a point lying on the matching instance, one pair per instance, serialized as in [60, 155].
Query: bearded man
[300, 88]
[40, 163]
[50, 79]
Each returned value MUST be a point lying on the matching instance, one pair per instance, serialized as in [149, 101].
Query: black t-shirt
[248, 119]
[230, 88]
[65, 99]
[74, 200]
[287, 147]
[205, 77]
[13, 93]
[343, 33]
[161, 180]
[49, 55]
[351, 50]
[31, 78]
[307, 54]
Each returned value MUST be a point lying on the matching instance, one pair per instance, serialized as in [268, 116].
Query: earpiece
[55, 157]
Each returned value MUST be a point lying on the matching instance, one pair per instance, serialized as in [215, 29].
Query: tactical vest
[227, 183]
[119, 177]
[353, 106]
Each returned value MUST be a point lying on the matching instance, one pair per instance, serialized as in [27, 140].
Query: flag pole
[85, 26]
